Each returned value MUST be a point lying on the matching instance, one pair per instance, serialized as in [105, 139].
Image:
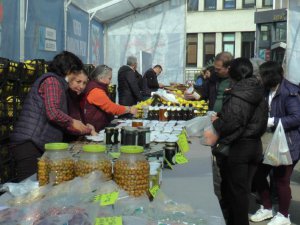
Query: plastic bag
[195, 126]
[277, 153]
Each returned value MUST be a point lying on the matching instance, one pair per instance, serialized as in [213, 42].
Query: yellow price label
[154, 190]
[109, 199]
[116, 220]
[181, 159]
[183, 143]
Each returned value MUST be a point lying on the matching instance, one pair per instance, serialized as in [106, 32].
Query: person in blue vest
[44, 117]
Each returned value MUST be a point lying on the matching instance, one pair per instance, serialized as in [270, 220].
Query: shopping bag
[277, 152]
[195, 126]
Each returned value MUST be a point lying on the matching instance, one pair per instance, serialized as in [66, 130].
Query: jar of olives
[131, 170]
[56, 164]
[93, 158]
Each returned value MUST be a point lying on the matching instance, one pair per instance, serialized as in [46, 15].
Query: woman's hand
[213, 118]
[93, 131]
[210, 137]
[80, 127]
[133, 110]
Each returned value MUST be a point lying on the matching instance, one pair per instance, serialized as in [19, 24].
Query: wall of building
[221, 21]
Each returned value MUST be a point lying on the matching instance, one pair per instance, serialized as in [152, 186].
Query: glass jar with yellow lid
[92, 158]
[56, 164]
[131, 170]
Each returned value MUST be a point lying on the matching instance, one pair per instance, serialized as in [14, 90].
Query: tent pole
[67, 3]
[91, 16]
[22, 31]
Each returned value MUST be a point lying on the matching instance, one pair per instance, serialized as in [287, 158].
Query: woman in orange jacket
[98, 109]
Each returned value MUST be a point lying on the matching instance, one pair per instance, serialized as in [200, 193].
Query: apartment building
[213, 26]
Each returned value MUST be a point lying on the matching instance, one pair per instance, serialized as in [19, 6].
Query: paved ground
[295, 203]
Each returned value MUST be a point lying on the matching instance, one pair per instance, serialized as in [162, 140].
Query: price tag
[183, 143]
[154, 190]
[116, 220]
[109, 199]
[180, 158]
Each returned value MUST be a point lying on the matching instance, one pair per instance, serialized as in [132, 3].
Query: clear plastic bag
[277, 152]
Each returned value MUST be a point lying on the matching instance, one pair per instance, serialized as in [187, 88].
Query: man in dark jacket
[128, 83]
[150, 83]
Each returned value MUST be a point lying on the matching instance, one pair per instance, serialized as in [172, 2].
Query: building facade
[213, 26]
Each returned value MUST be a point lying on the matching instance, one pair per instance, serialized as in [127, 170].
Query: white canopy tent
[153, 31]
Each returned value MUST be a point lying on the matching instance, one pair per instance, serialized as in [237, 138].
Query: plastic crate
[112, 92]
[4, 66]
[8, 88]
[32, 70]
[7, 171]
[6, 127]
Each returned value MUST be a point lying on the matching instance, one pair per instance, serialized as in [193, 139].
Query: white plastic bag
[277, 153]
[195, 126]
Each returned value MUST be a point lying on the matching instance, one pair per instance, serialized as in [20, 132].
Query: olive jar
[131, 170]
[93, 158]
[56, 164]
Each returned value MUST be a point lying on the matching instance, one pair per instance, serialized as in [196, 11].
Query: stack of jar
[56, 165]
[131, 171]
[93, 158]
[171, 112]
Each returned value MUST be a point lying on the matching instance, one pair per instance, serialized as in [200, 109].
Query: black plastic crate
[5, 154]
[7, 171]
[14, 71]
[32, 70]
[112, 92]
[4, 66]
[6, 127]
[8, 88]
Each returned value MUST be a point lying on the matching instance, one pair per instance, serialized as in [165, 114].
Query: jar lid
[94, 148]
[131, 149]
[57, 146]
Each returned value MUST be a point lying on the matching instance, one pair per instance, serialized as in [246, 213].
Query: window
[249, 3]
[210, 4]
[280, 31]
[229, 42]
[265, 32]
[248, 39]
[209, 48]
[191, 50]
[192, 5]
[229, 4]
[267, 2]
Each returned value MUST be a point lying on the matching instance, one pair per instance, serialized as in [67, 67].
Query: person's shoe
[261, 214]
[280, 219]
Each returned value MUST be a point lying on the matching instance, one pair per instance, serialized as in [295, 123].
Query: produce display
[176, 109]
[131, 171]
[56, 164]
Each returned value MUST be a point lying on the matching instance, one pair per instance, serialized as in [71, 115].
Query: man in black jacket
[150, 83]
[128, 83]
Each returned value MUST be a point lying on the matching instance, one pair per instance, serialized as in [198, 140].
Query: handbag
[220, 150]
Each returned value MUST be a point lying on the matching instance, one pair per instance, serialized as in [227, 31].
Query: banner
[77, 32]
[44, 29]
[96, 44]
[10, 29]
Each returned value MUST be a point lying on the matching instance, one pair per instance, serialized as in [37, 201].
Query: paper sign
[116, 220]
[154, 190]
[109, 199]
[180, 158]
[183, 143]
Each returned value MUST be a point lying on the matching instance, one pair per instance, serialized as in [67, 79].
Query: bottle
[93, 158]
[56, 165]
[132, 168]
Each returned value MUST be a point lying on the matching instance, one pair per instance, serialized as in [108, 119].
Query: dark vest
[93, 114]
[33, 124]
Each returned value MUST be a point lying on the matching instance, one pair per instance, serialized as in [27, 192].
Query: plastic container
[56, 165]
[131, 170]
[144, 136]
[93, 158]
